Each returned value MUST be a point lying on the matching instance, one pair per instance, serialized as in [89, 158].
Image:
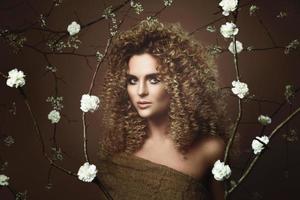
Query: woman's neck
[158, 128]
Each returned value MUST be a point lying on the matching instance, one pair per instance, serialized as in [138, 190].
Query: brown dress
[128, 177]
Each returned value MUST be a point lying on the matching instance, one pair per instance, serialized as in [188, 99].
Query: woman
[163, 116]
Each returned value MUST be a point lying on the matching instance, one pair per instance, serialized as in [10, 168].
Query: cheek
[163, 96]
[130, 93]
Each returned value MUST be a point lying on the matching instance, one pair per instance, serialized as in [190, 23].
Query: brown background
[265, 72]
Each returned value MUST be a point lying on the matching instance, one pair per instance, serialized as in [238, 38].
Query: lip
[143, 102]
[143, 105]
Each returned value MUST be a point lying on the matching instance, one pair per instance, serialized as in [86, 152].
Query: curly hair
[189, 75]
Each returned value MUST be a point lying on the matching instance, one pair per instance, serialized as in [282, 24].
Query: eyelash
[130, 79]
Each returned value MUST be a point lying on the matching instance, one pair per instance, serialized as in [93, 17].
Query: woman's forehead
[142, 64]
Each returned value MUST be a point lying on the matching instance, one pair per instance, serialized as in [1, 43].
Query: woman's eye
[154, 80]
[131, 81]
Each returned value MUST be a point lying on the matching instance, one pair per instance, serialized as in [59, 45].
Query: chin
[144, 115]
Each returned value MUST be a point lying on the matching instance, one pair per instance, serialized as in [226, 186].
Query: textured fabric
[130, 177]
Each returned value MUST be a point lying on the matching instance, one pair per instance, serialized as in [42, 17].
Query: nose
[142, 89]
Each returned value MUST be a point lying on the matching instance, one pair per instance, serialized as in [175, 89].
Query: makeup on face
[145, 90]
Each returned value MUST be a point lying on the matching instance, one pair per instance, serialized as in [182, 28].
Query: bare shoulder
[212, 148]
[205, 153]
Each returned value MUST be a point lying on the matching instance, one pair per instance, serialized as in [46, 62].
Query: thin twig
[291, 116]
[237, 121]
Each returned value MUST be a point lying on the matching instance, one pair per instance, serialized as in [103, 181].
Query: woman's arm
[216, 189]
[215, 151]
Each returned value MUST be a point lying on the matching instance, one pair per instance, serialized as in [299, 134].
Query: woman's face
[146, 92]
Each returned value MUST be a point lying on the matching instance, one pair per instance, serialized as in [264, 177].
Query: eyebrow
[147, 76]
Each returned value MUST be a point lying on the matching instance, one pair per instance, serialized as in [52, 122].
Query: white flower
[3, 180]
[73, 28]
[229, 30]
[15, 78]
[138, 8]
[168, 2]
[221, 171]
[9, 140]
[211, 28]
[253, 9]
[257, 146]
[87, 172]
[228, 6]
[264, 120]
[54, 116]
[239, 47]
[89, 103]
[240, 89]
